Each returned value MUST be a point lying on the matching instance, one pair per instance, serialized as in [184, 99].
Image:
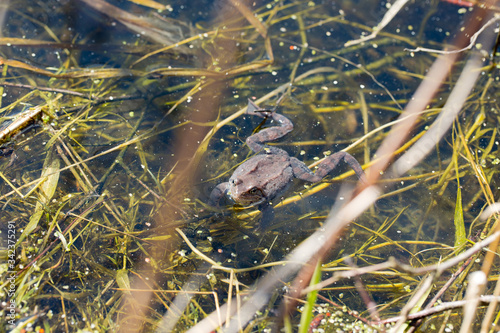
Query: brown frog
[265, 176]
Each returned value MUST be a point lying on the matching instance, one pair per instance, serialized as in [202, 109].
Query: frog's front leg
[256, 141]
[301, 171]
[217, 194]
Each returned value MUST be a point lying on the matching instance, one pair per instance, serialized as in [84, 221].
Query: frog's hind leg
[331, 162]
[301, 171]
[256, 142]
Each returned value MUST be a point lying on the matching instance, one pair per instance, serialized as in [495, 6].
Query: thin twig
[468, 47]
[389, 15]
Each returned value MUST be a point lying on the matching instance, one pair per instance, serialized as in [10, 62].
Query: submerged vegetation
[117, 119]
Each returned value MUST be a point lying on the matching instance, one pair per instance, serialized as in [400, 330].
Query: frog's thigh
[330, 163]
[301, 171]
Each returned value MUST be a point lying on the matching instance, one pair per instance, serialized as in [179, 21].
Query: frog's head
[246, 194]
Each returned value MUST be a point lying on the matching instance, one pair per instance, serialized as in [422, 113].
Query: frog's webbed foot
[254, 110]
[267, 217]
[218, 193]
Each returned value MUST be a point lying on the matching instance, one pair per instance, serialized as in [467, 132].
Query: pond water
[140, 114]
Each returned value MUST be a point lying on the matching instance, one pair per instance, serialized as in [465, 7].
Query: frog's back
[262, 167]
[266, 174]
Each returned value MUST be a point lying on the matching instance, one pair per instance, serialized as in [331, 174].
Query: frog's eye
[236, 181]
[254, 190]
